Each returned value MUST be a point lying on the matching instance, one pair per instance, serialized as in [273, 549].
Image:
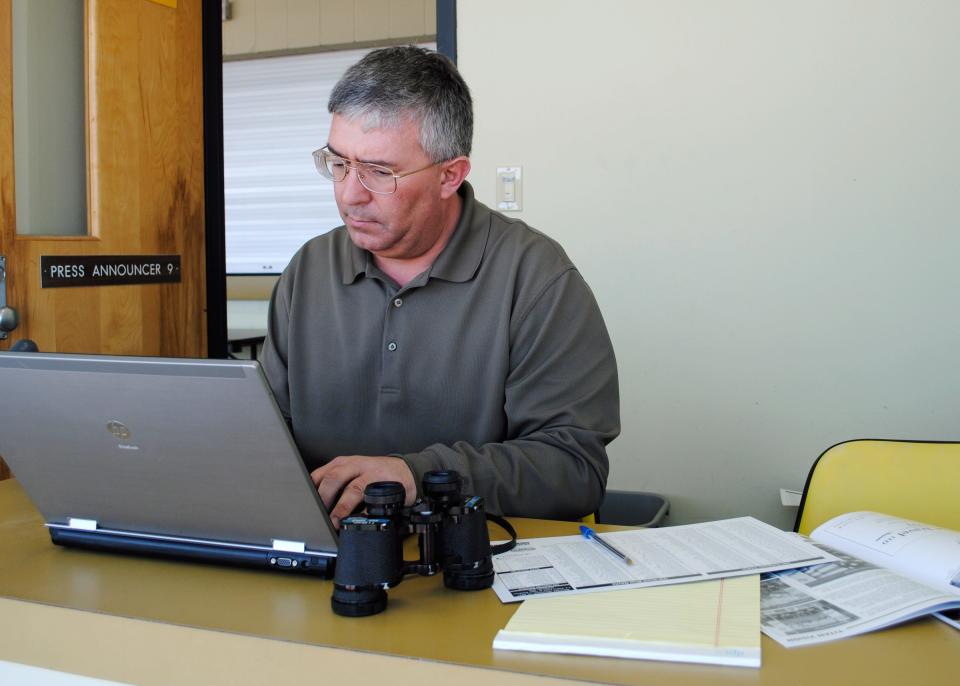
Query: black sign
[57, 271]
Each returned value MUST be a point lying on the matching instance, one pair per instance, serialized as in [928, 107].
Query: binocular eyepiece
[452, 537]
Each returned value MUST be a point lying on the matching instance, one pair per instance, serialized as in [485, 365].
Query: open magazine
[890, 570]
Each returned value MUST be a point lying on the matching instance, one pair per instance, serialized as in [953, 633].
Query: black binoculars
[453, 537]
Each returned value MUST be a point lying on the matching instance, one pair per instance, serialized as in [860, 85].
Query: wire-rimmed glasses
[375, 177]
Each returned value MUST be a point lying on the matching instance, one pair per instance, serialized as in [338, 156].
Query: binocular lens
[474, 579]
[384, 493]
[442, 485]
[384, 498]
[358, 602]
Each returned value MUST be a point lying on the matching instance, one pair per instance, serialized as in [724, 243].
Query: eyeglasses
[374, 177]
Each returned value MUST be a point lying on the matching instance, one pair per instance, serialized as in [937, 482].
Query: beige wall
[763, 195]
[259, 26]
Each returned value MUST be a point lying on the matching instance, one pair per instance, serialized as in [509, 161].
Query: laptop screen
[168, 447]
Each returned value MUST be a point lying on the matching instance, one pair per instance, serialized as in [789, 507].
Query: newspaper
[890, 570]
[560, 565]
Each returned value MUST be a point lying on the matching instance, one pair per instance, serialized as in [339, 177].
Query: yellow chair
[917, 480]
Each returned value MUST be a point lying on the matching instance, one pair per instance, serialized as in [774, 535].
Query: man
[429, 332]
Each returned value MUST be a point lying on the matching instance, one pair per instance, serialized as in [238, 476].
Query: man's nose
[351, 190]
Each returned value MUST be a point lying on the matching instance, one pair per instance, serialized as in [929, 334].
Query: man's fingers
[331, 479]
[320, 473]
[340, 482]
[329, 491]
[351, 497]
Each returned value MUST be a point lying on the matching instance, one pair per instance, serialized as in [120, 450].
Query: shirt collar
[463, 253]
[460, 258]
[353, 259]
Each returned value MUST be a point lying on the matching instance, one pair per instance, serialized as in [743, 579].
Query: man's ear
[452, 174]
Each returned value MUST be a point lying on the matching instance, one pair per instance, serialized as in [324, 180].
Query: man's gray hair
[393, 85]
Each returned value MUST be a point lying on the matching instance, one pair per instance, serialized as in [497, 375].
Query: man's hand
[341, 481]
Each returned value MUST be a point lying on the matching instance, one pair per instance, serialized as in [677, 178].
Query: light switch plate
[509, 189]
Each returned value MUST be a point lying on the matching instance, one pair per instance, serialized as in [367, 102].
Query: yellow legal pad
[716, 622]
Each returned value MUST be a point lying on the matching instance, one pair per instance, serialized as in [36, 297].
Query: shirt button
[398, 302]
[392, 346]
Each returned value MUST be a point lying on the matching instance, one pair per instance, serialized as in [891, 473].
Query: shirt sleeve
[273, 357]
[562, 406]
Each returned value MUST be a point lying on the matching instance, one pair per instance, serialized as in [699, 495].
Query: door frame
[216, 254]
[447, 28]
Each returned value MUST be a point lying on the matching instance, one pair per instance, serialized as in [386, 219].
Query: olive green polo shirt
[494, 362]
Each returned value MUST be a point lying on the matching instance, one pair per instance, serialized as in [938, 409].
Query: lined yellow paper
[714, 622]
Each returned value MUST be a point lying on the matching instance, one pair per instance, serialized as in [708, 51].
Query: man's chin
[369, 240]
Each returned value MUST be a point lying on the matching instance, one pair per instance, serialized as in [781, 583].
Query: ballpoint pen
[592, 535]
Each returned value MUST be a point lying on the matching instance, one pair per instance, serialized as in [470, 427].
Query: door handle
[8, 316]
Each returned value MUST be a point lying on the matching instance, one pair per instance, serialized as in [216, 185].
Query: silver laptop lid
[172, 447]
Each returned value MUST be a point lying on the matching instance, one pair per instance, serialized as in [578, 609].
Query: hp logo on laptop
[119, 430]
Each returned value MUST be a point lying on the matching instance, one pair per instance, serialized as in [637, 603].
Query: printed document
[889, 570]
[540, 567]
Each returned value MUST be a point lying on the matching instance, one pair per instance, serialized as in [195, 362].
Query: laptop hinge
[85, 524]
[289, 546]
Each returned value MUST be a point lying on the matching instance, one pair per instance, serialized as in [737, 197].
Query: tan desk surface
[126, 618]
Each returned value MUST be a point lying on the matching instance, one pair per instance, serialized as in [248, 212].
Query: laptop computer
[172, 457]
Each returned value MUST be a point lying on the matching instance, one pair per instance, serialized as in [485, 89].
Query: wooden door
[145, 181]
